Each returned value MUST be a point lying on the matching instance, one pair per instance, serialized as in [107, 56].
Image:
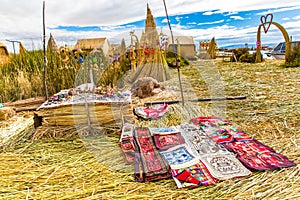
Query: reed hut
[52, 46]
[150, 61]
[90, 44]
[4, 55]
[187, 46]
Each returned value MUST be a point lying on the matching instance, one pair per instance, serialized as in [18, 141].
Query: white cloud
[235, 17]
[214, 22]
[231, 13]
[178, 18]
[164, 20]
[22, 20]
[212, 12]
[297, 17]
[279, 10]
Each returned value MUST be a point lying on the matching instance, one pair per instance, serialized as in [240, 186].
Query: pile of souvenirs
[81, 94]
[202, 152]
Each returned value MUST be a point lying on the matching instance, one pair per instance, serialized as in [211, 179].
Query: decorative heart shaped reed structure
[264, 20]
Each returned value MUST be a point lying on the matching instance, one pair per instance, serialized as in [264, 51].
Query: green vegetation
[171, 58]
[293, 59]
[243, 55]
[22, 77]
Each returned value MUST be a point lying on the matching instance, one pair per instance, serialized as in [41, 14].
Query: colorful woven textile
[257, 156]
[218, 160]
[224, 166]
[253, 154]
[153, 112]
[149, 165]
[166, 138]
[187, 169]
[199, 153]
[198, 141]
[178, 155]
[127, 143]
[220, 130]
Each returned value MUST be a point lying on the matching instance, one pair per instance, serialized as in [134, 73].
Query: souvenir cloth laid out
[127, 143]
[257, 156]
[79, 95]
[151, 112]
[198, 141]
[165, 138]
[187, 170]
[220, 130]
[253, 154]
[221, 164]
[149, 164]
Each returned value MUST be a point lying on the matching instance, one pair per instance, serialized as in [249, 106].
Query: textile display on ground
[252, 153]
[106, 107]
[202, 152]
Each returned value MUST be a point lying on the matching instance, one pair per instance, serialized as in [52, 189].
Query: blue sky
[231, 22]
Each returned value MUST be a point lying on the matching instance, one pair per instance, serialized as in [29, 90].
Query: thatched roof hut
[187, 46]
[22, 49]
[212, 48]
[4, 55]
[52, 46]
[93, 43]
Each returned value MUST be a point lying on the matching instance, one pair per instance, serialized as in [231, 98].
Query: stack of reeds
[6, 113]
[80, 114]
[14, 130]
[82, 118]
[26, 104]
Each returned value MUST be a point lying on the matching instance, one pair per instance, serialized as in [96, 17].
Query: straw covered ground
[92, 167]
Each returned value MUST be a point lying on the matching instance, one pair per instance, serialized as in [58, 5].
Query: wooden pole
[45, 56]
[198, 100]
[177, 64]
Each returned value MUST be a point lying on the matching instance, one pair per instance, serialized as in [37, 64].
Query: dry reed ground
[93, 168]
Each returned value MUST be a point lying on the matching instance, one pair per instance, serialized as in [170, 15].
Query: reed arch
[284, 33]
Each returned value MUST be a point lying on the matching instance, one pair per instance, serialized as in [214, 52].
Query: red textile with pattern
[128, 148]
[196, 175]
[166, 141]
[257, 156]
[220, 130]
[149, 165]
